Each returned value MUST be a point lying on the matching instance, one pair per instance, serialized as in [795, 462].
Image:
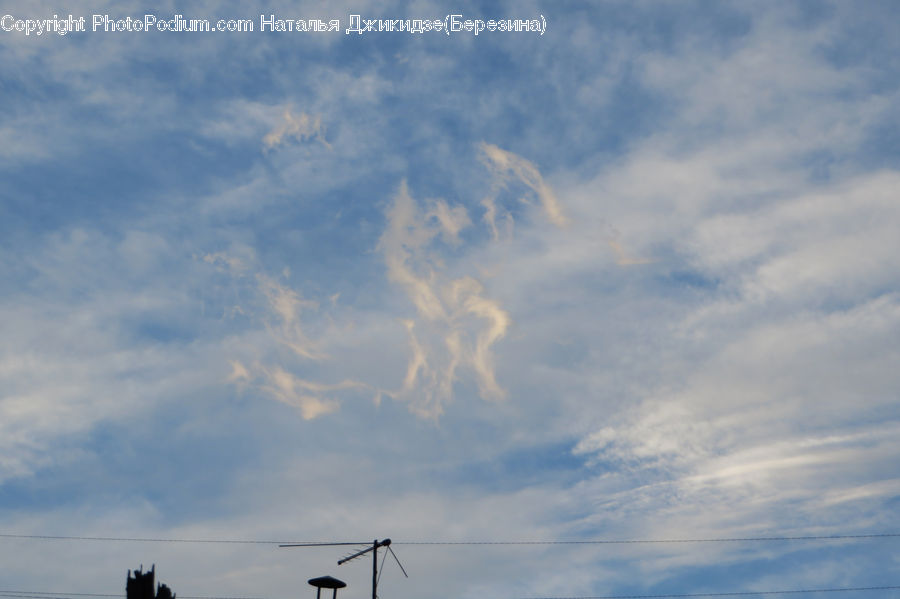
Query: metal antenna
[374, 549]
[402, 569]
[319, 544]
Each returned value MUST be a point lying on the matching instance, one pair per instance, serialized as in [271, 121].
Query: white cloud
[297, 392]
[226, 261]
[768, 411]
[758, 396]
[75, 356]
[452, 220]
[505, 164]
[742, 382]
[239, 372]
[456, 325]
[257, 361]
[286, 305]
[299, 127]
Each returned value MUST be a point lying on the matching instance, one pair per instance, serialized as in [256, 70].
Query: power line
[636, 541]
[135, 539]
[732, 593]
[42, 595]
[532, 542]
[45, 595]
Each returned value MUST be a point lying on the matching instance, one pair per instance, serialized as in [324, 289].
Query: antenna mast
[374, 549]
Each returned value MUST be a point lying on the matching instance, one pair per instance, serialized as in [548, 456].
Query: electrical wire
[40, 595]
[44, 595]
[532, 542]
[733, 593]
[138, 539]
[638, 541]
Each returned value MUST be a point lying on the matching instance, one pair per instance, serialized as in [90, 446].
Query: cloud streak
[308, 396]
[505, 165]
[298, 127]
[741, 384]
[456, 325]
[279, 307]
[286, 305]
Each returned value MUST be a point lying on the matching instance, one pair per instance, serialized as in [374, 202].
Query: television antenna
[373, 548]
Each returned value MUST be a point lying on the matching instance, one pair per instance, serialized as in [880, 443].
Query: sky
[631, 275]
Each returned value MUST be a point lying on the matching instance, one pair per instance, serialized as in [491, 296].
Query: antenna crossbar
[319, 544]
[375, 545]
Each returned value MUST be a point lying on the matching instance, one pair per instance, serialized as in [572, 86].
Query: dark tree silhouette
[140, 586]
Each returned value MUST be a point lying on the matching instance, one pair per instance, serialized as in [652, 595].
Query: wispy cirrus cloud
[308, 396]
[693, 281]
[505, 165]
[285, 305]
[772, 415]
[283, 314]
[299, 127]
[455, 324]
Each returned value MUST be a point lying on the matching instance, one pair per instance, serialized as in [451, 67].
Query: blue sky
[634, 278]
